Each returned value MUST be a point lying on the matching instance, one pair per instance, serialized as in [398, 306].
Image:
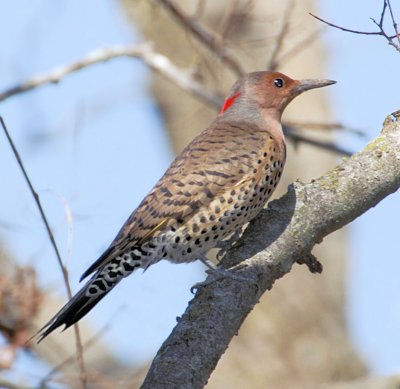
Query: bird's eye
[278, 82]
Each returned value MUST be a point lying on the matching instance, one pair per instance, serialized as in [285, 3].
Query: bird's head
[266, 91]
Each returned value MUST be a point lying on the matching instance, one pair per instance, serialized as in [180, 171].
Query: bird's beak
[304, 85]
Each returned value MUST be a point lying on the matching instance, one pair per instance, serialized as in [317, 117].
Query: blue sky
[97, 141]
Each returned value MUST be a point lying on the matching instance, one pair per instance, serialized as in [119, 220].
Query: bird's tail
[91, 293]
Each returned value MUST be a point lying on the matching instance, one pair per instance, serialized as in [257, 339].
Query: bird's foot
[225, 245]
[216, 274]
[207, 262]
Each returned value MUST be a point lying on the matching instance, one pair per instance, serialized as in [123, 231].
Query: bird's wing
[219, 159]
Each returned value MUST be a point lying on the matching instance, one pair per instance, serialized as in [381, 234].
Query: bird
[219, 182]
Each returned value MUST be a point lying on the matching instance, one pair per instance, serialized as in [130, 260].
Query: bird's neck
[271, 120]
[262, 118]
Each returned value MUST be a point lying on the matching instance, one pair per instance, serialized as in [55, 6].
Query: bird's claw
[218, 274]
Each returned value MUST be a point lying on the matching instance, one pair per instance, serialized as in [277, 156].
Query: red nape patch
[228, 102]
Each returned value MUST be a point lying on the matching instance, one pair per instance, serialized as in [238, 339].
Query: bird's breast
[227, 212]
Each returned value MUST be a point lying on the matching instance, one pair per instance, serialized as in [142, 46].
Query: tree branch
[144, 51]
[209, 38]
[273, 62]
[393, 21]
[381, 32]
[296, 137]
[281, 235]
[344, 28]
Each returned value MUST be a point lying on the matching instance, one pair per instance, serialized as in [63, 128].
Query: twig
[70, 225]
[225, 22]
[346, 29]
[383, 13]
[200, 8]
[325, 126]
[296, 137]
[144, 51]
[379, 24]
[273, 61]
[70, 359]
[209, 38]
[54, 245]
[386, 3]
[393, 20]
[299, 47]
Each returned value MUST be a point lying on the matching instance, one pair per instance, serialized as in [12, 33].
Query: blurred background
[95, 143]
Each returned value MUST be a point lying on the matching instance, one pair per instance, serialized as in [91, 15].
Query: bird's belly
[224, 215]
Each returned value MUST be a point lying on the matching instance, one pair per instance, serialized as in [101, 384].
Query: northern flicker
[219, 182]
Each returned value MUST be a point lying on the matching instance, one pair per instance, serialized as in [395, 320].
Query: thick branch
[284, 233]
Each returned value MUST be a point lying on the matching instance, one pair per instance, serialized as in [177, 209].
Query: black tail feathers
[78, 306]
[106, 277]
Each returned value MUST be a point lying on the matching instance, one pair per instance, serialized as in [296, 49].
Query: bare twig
[325, 126]
[296, 137]
[144, 51]
[299, 47]
[70, 226]
[381, 32]
[70, 359]
[393, 21]
[386, 3]
[209, 38]
[225, 22]
[346, 29]
[383, 12]
[273, 61]
[200, 8]
[54, 245]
